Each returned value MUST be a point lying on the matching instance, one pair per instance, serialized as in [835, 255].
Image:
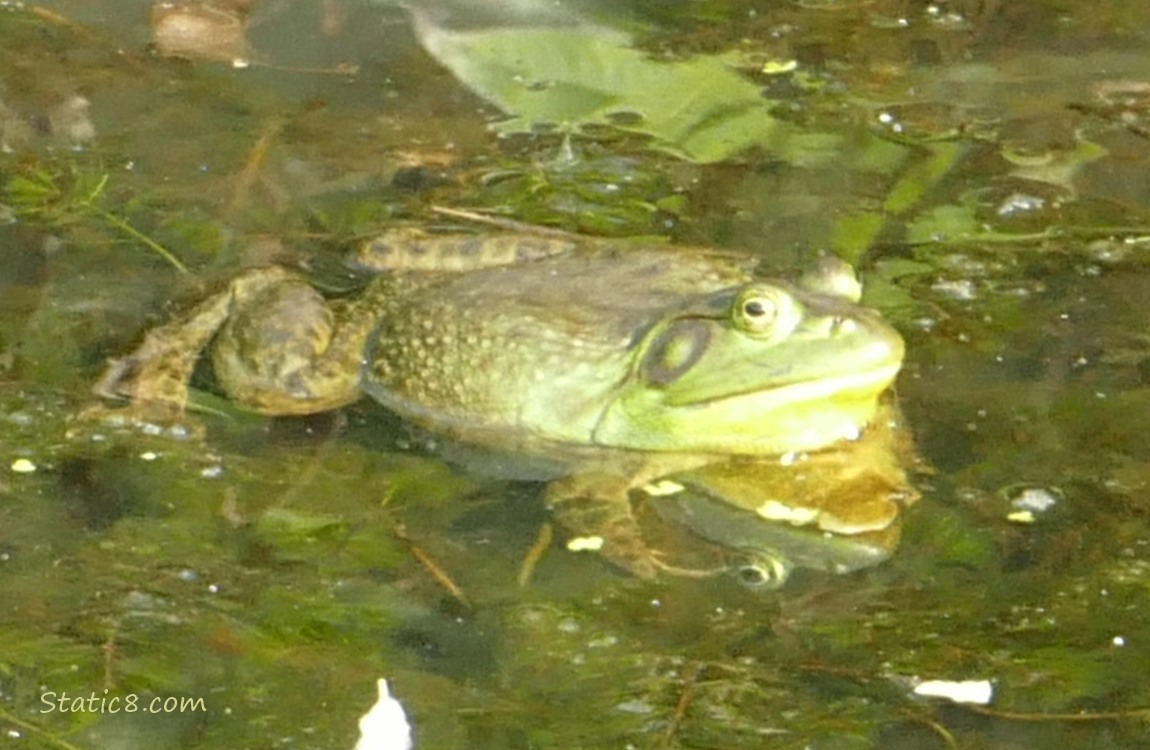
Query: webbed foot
[155, 376]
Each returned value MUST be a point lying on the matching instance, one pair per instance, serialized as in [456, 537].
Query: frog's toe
[96, 421]
[145, 382]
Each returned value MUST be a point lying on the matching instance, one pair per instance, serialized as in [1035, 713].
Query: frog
[611, 364]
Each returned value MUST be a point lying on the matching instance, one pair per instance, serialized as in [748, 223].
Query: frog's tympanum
[761, 401]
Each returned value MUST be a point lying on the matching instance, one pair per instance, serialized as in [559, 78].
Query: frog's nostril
[844, 326]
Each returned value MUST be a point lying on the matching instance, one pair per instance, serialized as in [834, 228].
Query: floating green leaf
[699, 109]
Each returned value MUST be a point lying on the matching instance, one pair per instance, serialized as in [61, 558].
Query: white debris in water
[959, 289]
[663, 488]
[779, 67]
[1021, 516]
[1018, 203]
[1034, 499]
[384, 726]
[978, 692]
[636, 707]
[585, 544]
[23, 466]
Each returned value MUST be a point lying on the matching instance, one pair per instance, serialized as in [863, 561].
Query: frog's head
[765, 368]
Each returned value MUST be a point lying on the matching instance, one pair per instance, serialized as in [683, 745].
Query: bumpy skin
[623, 363]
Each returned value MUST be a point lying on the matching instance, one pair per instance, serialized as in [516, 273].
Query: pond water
[983, 164]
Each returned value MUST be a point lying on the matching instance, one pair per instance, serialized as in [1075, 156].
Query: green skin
[620, 364]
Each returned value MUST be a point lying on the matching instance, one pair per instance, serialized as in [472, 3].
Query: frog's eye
[763, 572]
[763, 311]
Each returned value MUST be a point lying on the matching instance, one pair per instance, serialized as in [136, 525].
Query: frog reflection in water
[617, 364]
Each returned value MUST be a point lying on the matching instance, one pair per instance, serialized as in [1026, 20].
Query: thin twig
[1140, 712]
[439, 574]
[509, 225]
[535, 554]
[690, 678]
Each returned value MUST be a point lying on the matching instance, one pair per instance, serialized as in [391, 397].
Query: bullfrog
[611, 364]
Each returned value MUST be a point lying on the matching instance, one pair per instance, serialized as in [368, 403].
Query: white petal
[384, 726]
[964, 691]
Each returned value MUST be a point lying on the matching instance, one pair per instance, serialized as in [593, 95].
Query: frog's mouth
[833, 392]
[804, 415]
[865, 384]
[800, 416]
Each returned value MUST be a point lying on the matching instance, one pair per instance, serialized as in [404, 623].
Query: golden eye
[759, 310]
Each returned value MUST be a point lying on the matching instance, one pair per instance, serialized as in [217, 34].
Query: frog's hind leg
[285, 350]
[156, 374]
[277, 347]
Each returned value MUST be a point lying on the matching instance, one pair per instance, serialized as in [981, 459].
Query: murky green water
[983, 163]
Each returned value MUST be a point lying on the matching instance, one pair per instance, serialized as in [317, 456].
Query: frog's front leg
[595, 509]
[277, 347]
